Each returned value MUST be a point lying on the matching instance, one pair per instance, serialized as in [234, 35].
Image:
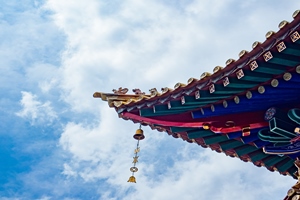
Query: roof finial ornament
[137, 91]
[120, 90]
[295, 14]
[165, 89]
[153, 92]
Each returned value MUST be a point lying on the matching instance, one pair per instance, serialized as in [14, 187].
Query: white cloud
[36, 111]
[150, 44]
[134, 43]
[68, 171]
[168, 168]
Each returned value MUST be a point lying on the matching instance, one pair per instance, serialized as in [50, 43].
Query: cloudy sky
[58, 142]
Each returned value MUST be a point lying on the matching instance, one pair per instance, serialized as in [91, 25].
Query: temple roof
[248, 109]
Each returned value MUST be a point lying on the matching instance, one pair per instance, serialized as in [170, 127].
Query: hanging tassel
[139, 135]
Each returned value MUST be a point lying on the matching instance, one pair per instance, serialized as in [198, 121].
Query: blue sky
[58, 142]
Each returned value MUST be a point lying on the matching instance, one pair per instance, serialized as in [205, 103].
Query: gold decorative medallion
[281, 46]
[253, 65]
[287, 76]
[268, 56]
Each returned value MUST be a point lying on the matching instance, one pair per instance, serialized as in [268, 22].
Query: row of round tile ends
[229, 61]
[261, 89]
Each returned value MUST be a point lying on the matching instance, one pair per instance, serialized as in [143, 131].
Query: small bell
[139, 134]
[131, 179]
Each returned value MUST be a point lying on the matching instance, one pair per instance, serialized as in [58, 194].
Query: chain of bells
[139, 135]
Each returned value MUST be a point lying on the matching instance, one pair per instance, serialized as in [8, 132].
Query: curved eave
[249, 86]
[245, 62]
[247, 149]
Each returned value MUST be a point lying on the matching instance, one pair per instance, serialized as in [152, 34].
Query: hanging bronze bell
[131, 179]
[139, 134]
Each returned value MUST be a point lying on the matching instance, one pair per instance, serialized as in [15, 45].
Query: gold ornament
[139, 135]
[131, 179]
[135, 159]
[137, 150]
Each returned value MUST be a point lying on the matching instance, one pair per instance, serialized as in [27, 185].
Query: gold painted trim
[229, 61]
[282, 24]
[268, 56]
[178, 85]
[295, 36]
[154, 92]
[296, 13]
[249, 94]
[290, 192]
[242, 53]
[236, 99]
[240, 74]
[217, 68]
[191, 80]
[246, 131]
[165, 90]
[226, 81]
[269, 34]
[255, 44]
[261, 89]
[287, 76]
[298, 69]
[281, 46]
[205, 75]
[206, 126]
[253, 65]
[274, 83]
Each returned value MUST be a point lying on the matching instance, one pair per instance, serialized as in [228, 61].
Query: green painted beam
[174, 105]
[206, 95]
[291, 49]
[270, 68]
[191, 100]
[272, 161]
[176, 129]
[238, 83]
[149, 112]
[246, 149]
[220, 89]
[165, 109]
[283, 59]
[215, 139]
[231, 144]
[292, 170]
[199, 134]
[286, 165]
[259, 156]
[256, 76]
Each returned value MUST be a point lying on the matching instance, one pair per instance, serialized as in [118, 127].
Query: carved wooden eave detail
[116, 100]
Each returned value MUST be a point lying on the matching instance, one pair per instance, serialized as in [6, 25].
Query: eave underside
[214, 112]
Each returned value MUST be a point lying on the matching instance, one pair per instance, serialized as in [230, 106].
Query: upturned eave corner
[120, 98]
[100, 95]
